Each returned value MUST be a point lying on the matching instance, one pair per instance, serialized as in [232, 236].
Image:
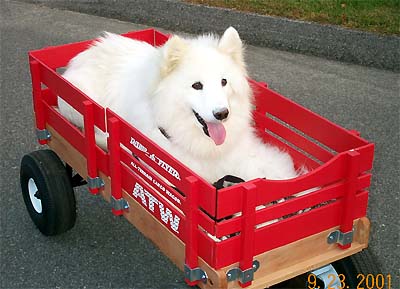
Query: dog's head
[203, 99]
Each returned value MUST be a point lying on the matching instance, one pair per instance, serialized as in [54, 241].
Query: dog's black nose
[221, 114]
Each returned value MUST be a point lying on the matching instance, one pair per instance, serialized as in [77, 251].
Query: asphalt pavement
[328, 41]
[103, 251]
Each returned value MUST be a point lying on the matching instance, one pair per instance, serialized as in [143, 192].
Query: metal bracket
[243, 276]
[325, 275]
[43, 134]
[338, 236]
[95, 183]
[196, 274]
[120, 204]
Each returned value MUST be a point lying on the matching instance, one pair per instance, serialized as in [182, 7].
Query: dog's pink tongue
[217, 132]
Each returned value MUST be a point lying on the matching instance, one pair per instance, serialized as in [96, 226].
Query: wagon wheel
[47, 192]
[360, 263]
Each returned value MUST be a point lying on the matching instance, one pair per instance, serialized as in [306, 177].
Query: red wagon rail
[196, 213]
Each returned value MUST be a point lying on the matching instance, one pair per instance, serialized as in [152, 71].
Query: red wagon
[213, 235]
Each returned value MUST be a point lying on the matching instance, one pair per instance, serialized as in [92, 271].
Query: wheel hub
[34, 195]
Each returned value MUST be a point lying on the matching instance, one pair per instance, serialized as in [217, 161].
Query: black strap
[229, 179]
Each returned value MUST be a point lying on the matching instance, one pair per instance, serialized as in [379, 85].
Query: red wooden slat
[160, 38]
[324, 175]
[364, 181]
[288, 230]
[307, 224]
[166, 190]
[192, 226]
[300, 160]
[59, 56]
[61, 87]
[263, 122]
[74, 136]
[276, 211]
[102, 161]
[366, 157]
[153, 202]
[285, 208]
[67, 130]
[305, 120]
[229, 199]
[38, 108]
[115, 165]
[49, 97]
[147, 35]
[270, 190]
[247, 237]
[206, 223]
[347, 218]
[90, 142]
[206, 248]
[227, 252]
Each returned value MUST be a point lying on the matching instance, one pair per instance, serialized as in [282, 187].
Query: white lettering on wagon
[162, 164]
[156, 183]
[150, 201]
[165, 166]
[138, 145]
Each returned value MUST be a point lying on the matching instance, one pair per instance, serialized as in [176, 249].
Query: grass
[380, 16]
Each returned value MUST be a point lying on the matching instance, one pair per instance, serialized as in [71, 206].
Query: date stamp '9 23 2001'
[364, 281]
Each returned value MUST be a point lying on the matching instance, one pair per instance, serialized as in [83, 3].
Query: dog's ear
[231, 44]
[173, 51]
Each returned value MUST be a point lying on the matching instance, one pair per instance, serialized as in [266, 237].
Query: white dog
[190, 96]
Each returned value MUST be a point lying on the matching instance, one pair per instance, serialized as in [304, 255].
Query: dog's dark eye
[197, 85]
[223, 81]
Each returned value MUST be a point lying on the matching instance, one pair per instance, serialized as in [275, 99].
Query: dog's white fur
[152, 87]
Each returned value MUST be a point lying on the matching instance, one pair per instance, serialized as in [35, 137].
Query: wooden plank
[303, 256]
[75, 159]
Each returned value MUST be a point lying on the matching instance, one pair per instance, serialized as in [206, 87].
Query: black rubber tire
[58, 207]
[361, 263]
